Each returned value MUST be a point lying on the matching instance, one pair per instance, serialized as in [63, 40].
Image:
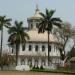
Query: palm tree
[4, 22]
[47, 23]
[17, 36]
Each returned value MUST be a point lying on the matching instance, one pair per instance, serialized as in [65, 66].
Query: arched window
[29, 62]
[43, 62]
[22, 62]
[36, 62]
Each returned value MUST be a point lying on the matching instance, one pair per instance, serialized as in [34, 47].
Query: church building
[35, 52]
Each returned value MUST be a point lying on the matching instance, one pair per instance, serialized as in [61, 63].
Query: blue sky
[21, 9]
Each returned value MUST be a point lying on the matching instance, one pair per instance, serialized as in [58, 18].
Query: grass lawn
[27, 73]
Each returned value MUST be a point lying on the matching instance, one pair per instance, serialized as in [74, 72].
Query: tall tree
[17, 36]
[4, 22]
[65, 34]
[47, 23]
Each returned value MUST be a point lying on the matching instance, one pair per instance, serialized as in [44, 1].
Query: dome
[41, 37]
[36, 15]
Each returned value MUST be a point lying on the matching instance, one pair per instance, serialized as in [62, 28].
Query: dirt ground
[26, 73]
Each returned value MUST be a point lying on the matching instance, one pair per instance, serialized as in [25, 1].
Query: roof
[72, 59]
[41, 37]
[36, 15]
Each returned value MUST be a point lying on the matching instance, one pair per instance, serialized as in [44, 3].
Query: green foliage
[48, 21]
[71, 53]
[55, 71]
[37, 68]
[17, 33]
[6, 60]
[41, 67]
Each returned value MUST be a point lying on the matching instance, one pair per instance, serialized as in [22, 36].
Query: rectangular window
[43, 48]
[23, 47]
[36, 48]
[31, 26]
[49, 48]
[36, 25]
[30, 47]
[12, 50]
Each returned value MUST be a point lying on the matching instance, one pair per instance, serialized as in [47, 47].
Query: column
[26, 61]
[33, 61]
[39, 62]
[46, 61]
[19, 61]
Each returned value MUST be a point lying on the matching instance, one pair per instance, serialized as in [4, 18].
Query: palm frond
[58, 24]
[47, 12]
[56, 19]
[42, 14]
[12, 30]
[51, 13]
[12, 38]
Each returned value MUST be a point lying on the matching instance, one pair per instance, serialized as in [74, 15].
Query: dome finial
[37, 8]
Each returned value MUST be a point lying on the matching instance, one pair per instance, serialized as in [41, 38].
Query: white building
[35, 52]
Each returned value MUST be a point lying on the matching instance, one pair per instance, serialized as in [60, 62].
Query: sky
[22, 9]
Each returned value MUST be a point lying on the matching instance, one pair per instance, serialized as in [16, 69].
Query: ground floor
[39, 61]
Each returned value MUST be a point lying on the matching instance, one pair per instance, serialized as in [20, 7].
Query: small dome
[36, 15]
[41, 37]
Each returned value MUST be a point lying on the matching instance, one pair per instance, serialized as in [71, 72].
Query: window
[29, 62]
[43, 48]
[12, 50]
[49, 48]
[30, 47]
[36, 25]
[31, 26]
[36, 48]
[36, 63]
[43, 62]
[22, 62]
[23, 47]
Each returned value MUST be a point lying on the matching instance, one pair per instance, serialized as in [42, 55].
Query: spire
[37, 8]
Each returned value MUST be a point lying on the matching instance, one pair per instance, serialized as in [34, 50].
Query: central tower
[34, 20]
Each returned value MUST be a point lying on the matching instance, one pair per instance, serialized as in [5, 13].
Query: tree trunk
[1, 47]
[17, 50]
[65, 44]
[48, 47]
